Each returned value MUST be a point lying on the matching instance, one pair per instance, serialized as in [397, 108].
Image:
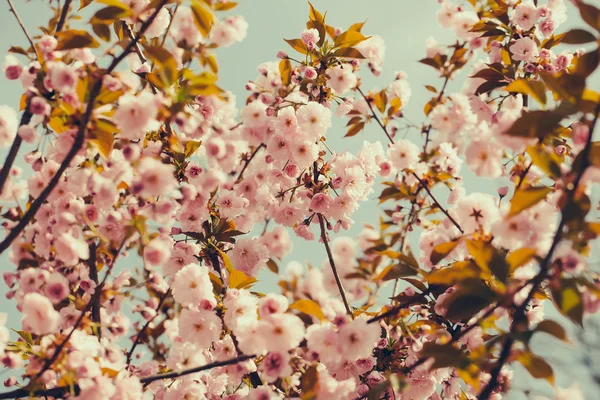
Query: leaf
[102, 31]
[348, 52]
[84, 3]
[444, 355]
[568, 300]
[468, 300]
[395, 271]
[297, 45]
[309, 382]
[590, 14]
[349, 39]
[454, 274]
[535, 89]
[442, 250]
[17, 50]
[272, 265]
[355, 129]
[224, 6]
[489, 258]
[547, 161]
[239, 280]
[226, 260]
[578, 36]
[315, 15]
[190, 147]
[525, 198]
[309, 307]
[553, 328]
[431, 88]
[520, 257]
[166, 66]
[587, 63]
[75, 39]
[104, 141]
[111, 13]
[285, 70]
[202, 17]
[26, 336]
[537, 366]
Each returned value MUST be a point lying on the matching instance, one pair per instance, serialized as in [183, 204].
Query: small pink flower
[310, 37]
[524, 49]
[39, 316]
[12, 67]
[320, 203]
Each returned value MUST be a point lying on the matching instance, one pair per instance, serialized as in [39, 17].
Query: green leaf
[520, 257]
[468, 300]
[547, 161]
[525, 198]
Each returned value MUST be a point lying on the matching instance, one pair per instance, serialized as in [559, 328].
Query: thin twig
[241, 175]
[63, 16]
[79, 138]
[138, 337]
[438, 205]
[61, 390]
[338, 281]
[14, 11]
[375, 117]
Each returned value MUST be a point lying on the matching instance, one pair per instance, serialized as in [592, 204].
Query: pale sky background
[404, 26]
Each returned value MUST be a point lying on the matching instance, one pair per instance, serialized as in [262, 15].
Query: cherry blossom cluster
[136, 153]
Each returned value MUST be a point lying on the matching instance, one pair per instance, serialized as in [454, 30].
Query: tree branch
[63, 16]
[61, 390]
[93, 267]
[14, 11]
[241, 175]
[138, 337]
[438, 205]
[375, 117]
[520, 314]
[338, 281]
[79, 137]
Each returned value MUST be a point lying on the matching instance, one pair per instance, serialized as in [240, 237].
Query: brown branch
[79, 137]
[61, 390]
[63, 16]
[338, 281]
[375, 117]
[520, 313]
[93, 267]
[241, 175]
[14, 11]
[95, 299]
[14, 150]
[138, 337]
[438, 205]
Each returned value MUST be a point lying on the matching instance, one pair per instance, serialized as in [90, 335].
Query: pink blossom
[12, 67]
[192, 285]
[39, 316]
[8, 125]
[249, 256]
[524, 49]
[525, 15]
[310, 37]
[201, 328]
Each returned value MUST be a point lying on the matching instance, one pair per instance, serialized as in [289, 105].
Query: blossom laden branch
[79, 137]
[338, 280]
